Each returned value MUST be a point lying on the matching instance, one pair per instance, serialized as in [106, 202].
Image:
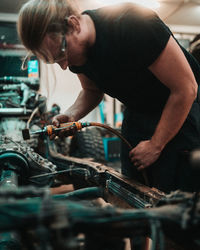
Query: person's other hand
[144, 154]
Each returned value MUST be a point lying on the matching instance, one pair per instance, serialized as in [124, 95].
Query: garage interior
[69, 193]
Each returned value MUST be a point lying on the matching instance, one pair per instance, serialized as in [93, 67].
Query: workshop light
[153, 4]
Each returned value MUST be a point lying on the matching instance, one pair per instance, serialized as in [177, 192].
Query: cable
[31, 117]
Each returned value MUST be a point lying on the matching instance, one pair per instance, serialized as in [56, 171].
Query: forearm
[86, 101]
[173, 117]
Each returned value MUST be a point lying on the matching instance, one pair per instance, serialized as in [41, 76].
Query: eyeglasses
[61, 55]
[58, 58]
[63, 44]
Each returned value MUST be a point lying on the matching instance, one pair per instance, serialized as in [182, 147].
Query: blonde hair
[39, 17]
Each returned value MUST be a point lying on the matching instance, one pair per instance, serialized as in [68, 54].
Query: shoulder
[127, 9]
[121, 10]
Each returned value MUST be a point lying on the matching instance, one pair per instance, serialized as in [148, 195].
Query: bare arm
[89, 97]
[173, 70]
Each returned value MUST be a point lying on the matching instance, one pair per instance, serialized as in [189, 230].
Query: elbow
[188, 93]
[193, 90]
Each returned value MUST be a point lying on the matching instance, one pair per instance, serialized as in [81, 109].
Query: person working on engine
[127, 52]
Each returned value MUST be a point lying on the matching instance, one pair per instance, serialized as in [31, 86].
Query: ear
[74, 23]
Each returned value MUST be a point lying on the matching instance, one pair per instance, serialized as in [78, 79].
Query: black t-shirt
[129, 38]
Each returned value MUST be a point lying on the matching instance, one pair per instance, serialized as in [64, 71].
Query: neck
[90, 31]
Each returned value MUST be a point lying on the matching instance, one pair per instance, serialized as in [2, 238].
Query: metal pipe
[15, 111]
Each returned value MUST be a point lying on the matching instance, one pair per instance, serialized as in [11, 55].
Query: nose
[63, 64]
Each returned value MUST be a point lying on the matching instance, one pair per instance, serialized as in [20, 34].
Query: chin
[81, 62]
[78, 61]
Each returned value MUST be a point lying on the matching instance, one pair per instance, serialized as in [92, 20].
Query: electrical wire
[31, 117]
